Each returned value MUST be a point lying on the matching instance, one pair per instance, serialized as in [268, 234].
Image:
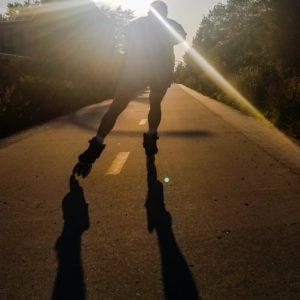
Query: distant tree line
[16, 10]
[75, 62]
[255, 44]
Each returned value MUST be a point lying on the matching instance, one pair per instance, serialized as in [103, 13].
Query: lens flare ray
[287, 148]
[214, 75]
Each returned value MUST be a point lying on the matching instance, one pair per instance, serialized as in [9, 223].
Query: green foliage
[255, 45]
[121, 19]
[38, 89]
[18, 11]
[33, 91]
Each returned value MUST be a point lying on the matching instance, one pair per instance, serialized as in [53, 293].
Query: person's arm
[179, 29]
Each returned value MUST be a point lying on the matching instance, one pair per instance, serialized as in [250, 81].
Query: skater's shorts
[137, 79]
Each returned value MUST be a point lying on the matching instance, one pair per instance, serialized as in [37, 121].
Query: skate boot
[87, 158]
[150, 144]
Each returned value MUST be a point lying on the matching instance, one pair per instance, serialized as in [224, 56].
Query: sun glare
[140, 7]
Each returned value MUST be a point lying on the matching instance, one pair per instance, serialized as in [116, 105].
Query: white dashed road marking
[143, 122]
[118, 163]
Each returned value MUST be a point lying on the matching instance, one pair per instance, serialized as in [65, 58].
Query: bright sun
[141, 7]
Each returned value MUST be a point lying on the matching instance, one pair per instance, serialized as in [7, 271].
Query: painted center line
[143, 122]
[118, 163]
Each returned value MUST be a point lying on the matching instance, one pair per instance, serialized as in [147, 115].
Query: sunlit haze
[188, 13]
[189, 16]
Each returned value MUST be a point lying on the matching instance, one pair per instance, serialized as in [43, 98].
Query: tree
[120, 19]
[76, 57]
[255, 44]
[17, 10]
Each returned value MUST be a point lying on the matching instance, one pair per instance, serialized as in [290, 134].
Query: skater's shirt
[149, 49]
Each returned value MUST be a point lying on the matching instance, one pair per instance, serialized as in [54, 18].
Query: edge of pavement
[272, 141]
[47, 125]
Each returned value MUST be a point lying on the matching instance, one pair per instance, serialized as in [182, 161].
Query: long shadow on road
[177, 278]
[89, 121]
[69, 283]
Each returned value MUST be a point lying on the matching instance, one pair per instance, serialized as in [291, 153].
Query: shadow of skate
[92, 123]
[177, 278]
[167, 133]
[69, 283]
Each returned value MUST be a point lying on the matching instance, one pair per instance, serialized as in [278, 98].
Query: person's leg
[154, 116]
[120, 102]
[89, 156]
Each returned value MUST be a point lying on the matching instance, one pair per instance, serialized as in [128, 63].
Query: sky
[186, 12]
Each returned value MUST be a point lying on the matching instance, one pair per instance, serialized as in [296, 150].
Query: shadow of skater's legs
[69, 283]
[177, 278]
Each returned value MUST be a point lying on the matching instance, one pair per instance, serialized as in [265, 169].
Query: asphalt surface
[221, 219]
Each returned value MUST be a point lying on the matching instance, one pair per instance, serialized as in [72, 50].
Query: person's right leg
[120, 102]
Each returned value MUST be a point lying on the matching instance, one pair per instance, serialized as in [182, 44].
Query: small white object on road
[118, 163]
[143, 122]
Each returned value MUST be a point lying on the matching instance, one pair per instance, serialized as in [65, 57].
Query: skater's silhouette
[177, 278]
[149, 61]
[69, 283]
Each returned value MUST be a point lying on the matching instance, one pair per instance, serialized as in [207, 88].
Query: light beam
[286, 150]
[211, 72]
